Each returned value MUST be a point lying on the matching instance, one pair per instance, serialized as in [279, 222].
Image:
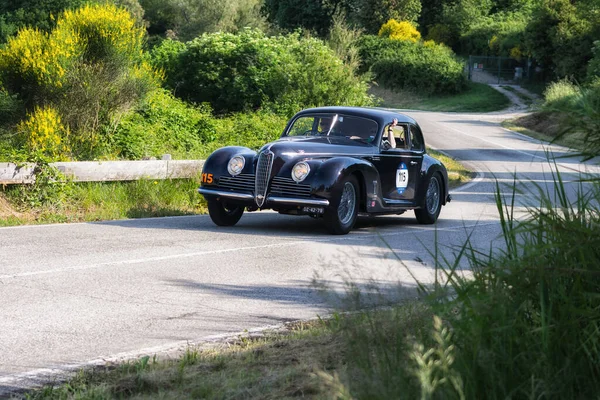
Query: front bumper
[271, 200]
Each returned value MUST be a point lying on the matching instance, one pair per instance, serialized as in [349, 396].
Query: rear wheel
[341, 219]
[223, 214]
[432, 203]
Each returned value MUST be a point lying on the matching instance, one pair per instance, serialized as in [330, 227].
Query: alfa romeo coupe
[330, 163]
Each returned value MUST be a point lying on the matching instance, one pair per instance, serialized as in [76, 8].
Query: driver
[390, 141]
[325, 125]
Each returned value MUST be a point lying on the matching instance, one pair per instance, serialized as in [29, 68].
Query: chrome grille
[263, 172]
[243, 183]
[287, 187]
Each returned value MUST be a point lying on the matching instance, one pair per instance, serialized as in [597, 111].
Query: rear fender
[430, 167]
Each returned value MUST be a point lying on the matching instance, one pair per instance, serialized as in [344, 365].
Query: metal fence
[500, 70]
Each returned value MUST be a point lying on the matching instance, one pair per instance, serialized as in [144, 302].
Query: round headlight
[300, 171]
[236, 165]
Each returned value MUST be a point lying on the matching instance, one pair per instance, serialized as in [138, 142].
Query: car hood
[317, 146]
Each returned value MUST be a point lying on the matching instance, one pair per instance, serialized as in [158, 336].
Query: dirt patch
[7, 210]
[547, 124]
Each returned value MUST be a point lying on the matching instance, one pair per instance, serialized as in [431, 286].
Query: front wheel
[432, 203]
[341, 219]
[223, 214]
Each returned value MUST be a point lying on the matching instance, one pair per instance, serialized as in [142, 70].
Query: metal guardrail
[103, 171]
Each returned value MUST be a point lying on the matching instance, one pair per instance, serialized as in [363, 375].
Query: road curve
[77, 292]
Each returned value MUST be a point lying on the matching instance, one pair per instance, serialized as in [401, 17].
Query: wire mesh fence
[500, 70]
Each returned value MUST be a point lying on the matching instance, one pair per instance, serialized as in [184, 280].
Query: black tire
[432, 201]
[340, 219]
[222, 214]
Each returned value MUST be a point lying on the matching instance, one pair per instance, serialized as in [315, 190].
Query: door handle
[413, 163]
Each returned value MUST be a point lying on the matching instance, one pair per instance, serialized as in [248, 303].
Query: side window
[416, 139]
[400, 137]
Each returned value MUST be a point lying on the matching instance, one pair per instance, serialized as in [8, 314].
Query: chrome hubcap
[347, 203]
[433, 196]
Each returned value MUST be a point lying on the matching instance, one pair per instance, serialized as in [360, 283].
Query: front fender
[216, 163]
[327, 181]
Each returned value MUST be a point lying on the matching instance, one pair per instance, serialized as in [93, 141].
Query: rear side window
[416, 139]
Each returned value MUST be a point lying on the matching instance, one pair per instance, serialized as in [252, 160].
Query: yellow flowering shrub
[403, 30]
[103, 30]
[36, 58]
[516, 53]
[90, 68]
[44, 133]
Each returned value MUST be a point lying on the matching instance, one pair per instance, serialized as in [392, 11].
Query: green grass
[278, 365]
[477, 98]
[546, 127]
[95, 201]
[457, 173]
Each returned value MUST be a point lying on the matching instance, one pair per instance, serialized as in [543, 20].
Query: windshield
[351, 127]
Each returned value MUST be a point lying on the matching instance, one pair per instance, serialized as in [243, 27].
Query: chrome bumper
[292, 201]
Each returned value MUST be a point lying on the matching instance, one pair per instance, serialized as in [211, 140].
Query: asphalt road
[92, 291]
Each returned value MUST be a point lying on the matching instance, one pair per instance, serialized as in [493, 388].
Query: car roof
[382, 115]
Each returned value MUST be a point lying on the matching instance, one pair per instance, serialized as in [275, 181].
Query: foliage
[314, 15]
[593, 70]
[371, 14]
[578, 107]
[402, 30]
[343, 41]
[561, 34]
[166, 58]
[440, 33]
[477, 97]
[249, 70]
[460, 15]
[18, 14]
[501, 34]
[163, 125]
[90, 67]
[424, 67]
[251, 129]
[44, 133]
[540, 337]
[187, 19]
[10, 108]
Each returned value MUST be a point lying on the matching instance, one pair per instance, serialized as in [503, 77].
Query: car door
[400, 168]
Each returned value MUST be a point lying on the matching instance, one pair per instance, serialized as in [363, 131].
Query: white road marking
[588, 168]
[359, 237]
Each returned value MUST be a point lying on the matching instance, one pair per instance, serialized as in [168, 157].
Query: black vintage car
[332, 163]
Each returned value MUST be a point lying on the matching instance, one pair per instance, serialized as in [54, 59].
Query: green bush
[593, 71]
[164, 124]
[422, 66]
[502, 34]
[250, 71]
[578, 110]
[252, 129]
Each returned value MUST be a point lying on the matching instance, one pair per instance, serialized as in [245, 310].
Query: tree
[561, 34]
[372, 14]
[187, 19]
[314, 15]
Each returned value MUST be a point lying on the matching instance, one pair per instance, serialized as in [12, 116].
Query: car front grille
[263, 173]
[240, 183]
[287, 187]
